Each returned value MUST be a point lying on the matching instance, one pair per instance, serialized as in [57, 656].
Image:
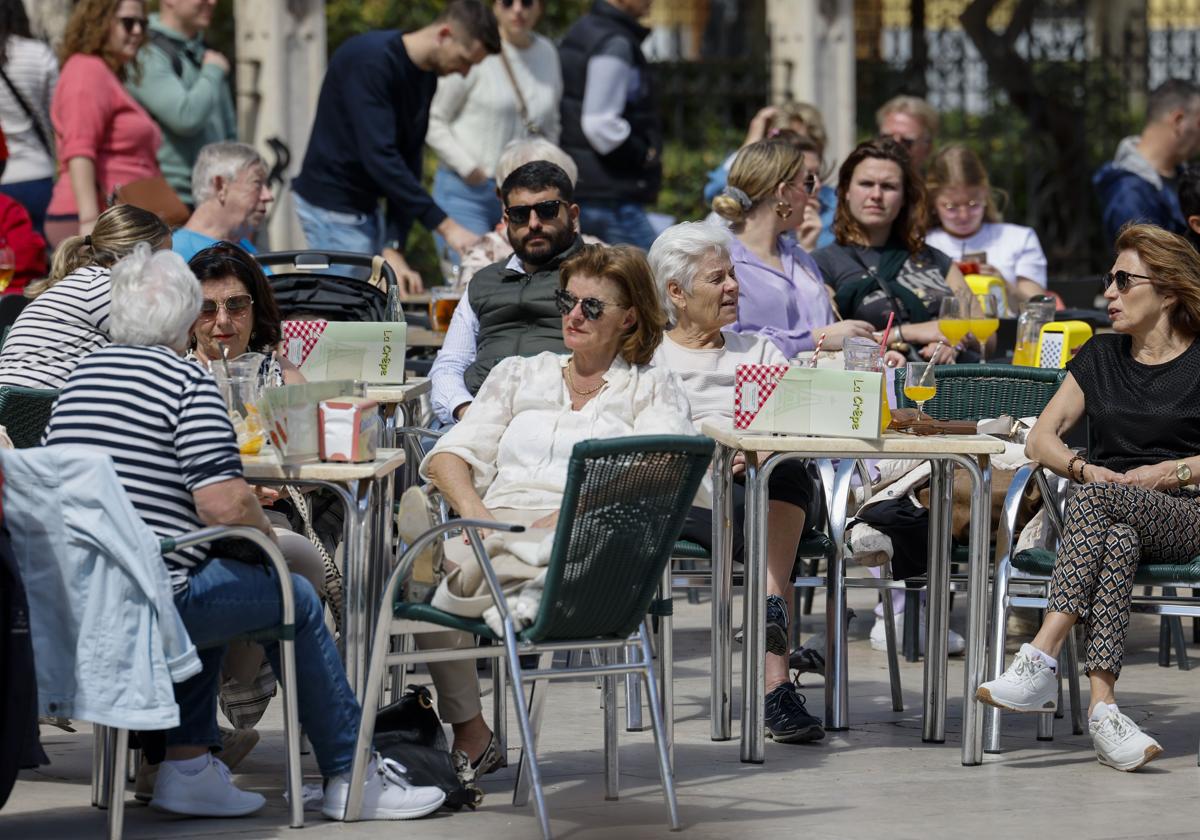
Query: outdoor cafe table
[366, 492]
[763, 453]
[403, 398]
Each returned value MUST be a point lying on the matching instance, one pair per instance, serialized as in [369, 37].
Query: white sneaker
[1029, 685]
[1118, 741]
[955, 643]
[209, 793]
[387, 795]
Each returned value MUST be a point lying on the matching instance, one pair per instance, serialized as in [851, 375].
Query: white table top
[259, 467]
[411, 389]
[891, 443]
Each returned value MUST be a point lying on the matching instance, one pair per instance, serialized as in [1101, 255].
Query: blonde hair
[757, 170]
[915, 107]
[958, 166]
[118, 229]
[1174, 267]
[808, 116]
[626, 267]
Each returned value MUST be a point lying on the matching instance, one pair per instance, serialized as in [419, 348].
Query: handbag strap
[521, 106]
[37, 126]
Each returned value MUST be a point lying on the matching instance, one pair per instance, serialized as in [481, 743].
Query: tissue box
[289, 416]
[785, 399]
[348, 429]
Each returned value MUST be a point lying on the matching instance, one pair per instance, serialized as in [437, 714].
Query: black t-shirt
[1138, 414]
[923, 274]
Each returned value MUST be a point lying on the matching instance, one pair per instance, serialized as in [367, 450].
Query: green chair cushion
[688, 550]
[425, 612]
[1040, 561]
[812, 544]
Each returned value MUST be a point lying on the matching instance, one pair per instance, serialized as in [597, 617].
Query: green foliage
[685, 171]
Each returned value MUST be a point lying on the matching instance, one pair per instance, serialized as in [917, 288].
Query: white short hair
[676, 254]
[226, 160]
[155, 299]
[520, 152]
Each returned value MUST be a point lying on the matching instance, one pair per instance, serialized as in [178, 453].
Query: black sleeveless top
[1138, 414]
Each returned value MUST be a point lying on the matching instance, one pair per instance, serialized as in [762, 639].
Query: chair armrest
[1051, 501]
[1006, 528]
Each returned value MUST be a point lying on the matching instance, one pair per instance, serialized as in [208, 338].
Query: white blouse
[518, 434]
[474, 117]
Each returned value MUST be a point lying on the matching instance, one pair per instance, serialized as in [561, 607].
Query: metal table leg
[977, 605]
[754, 631]
[937, 616]
[837, 689]
[721, 688]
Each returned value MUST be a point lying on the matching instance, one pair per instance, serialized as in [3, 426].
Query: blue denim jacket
[107, 639]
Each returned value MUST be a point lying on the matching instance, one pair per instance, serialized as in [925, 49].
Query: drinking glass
[953, 319]
[861, 354]
[984, 322]
[920, 384]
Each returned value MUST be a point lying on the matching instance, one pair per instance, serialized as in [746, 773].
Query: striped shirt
[33, 71]
[165, 425]
[57, 329]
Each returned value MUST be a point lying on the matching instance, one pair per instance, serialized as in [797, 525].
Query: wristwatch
[1184, 473]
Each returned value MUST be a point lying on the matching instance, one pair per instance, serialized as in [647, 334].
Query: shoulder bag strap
[37, 126]
[530, 125]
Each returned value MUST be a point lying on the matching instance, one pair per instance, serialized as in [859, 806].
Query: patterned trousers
[1109, 528]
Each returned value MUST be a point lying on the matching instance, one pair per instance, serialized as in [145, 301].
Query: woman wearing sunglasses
[507, 458]
[505, 97]
[783, 297]
[239, 313]
[104, 138]
[1137, 497]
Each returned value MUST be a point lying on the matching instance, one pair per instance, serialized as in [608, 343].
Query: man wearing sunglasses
[510, 307]
[610, 124]
[913, 123]
[1141, 183]
[368, 137]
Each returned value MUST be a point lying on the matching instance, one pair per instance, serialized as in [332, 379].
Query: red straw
[886, 330]
[812, 363]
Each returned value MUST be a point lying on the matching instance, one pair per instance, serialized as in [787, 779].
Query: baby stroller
[306, 289]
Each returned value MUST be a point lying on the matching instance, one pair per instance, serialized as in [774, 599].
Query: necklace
[571, 381]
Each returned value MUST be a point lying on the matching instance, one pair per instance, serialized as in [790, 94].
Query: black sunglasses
[592, 308]
[546, 211]
[508, 4]
[130, 22]
[1123, 279]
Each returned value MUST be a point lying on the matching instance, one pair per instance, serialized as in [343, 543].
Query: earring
[783, 209]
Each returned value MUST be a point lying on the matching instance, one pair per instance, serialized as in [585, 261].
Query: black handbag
[409, 731]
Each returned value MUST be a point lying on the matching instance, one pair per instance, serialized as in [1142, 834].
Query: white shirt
[33, 70]
[1013, 249]
[448, 388]
[708, 375]
[474, 117]
[518, 435]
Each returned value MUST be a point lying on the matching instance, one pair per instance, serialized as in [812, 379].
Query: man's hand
[214, 57]
[475, 177]
[410, 281]
[457, 236]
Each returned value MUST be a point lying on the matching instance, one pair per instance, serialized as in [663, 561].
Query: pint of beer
[442, 303]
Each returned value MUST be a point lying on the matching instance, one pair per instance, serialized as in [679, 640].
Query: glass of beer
[8, 264]
[442, 303]
[920, 384]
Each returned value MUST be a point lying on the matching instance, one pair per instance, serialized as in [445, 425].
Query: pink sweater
[95, 117]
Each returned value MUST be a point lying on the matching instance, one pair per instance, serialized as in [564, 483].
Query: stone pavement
[877, 780]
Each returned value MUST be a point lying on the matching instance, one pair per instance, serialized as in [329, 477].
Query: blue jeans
[334, 230]
[34, 196]
[226, 598]
[617, 223]
[475, 208]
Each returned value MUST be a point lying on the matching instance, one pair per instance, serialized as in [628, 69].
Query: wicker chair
[623, 507]
[24, 412]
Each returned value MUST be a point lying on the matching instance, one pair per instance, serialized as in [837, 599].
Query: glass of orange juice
[920, 384]
[984, 322]
[953, 319]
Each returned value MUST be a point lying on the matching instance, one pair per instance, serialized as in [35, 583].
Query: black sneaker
[788, 722]
[777, 626]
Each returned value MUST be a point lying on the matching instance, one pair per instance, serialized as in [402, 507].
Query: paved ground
[876, 780]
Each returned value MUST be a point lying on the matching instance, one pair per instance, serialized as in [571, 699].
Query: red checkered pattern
[307, 331]
[753, 386]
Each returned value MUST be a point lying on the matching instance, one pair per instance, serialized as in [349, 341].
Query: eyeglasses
[810, 183]
[969, 206]
[235, 305]
[1123, 279]
[508, 4]
[546, 211]
[130, 22]
[592, 308]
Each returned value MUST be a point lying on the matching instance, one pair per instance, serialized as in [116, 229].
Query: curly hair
[909, 226]
[88, 31]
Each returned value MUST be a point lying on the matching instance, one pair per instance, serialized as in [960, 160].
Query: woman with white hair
[175, 453]
[229, 186]
[694, 273]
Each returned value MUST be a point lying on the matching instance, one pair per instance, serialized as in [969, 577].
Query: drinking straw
[932, 362]
[225, 359]
[886, 331]
[812, 362]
